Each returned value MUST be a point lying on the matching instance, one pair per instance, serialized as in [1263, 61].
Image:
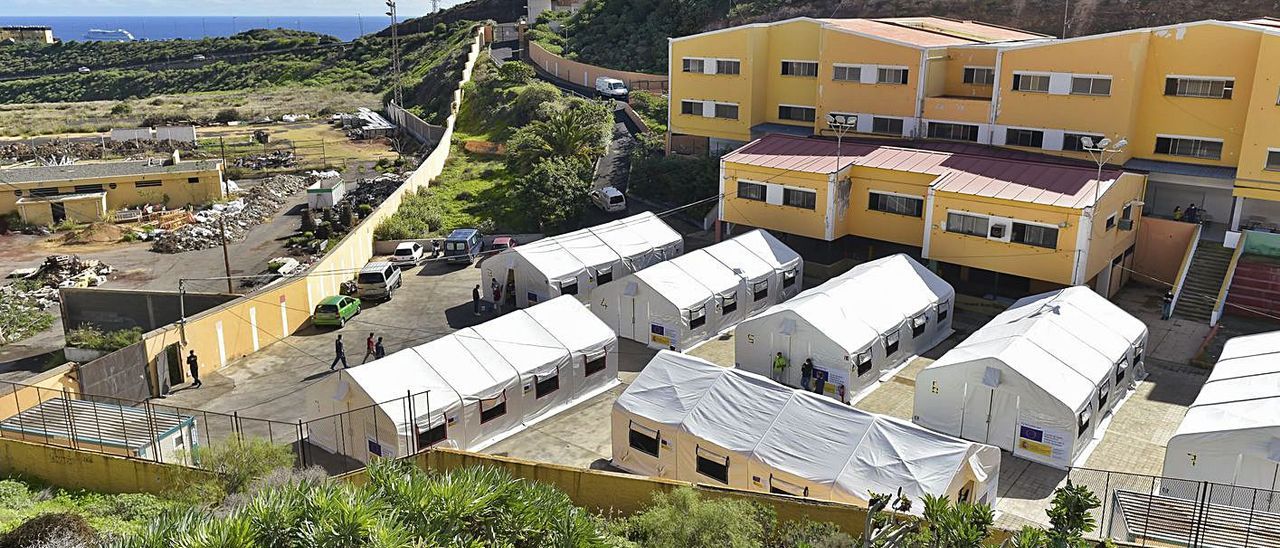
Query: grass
[124, 513]
[472, 192]
[36, 119]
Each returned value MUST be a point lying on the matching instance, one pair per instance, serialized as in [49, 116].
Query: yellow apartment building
[87, 192]
[1197, 102]
[975, 215]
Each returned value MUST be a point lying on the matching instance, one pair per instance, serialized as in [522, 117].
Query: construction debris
[275, 160]
[257, 206]
[41, 285]
[84, 149]
[373, 191]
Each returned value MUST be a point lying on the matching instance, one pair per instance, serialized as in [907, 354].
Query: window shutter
[1170, 86]
[1017, 79]
[1226, 90]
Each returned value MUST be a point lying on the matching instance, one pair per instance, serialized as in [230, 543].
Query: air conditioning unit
[1125, 224]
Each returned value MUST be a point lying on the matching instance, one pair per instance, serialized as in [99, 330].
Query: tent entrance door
[975, 423]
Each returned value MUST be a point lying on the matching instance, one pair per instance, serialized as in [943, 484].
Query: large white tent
[865, 321]
[687, 419]
[1231, 434]
[469, 389]
[1038, 378]
[576, 262]
[679, 303]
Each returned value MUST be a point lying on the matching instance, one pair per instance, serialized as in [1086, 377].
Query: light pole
[398, 94]
[1101, 153]
[841, 124]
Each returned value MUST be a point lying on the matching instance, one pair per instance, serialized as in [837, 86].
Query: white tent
[576, 262]
[469, 389]
[1231, 433]
[687, 419]
[1038, 378]
[679, 303]
[855, 326]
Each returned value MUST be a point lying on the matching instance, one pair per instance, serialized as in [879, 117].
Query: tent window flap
[596, 363]
[863, 362]
[642, 439]
[789, 278]
[697, 317]
[712, 465]
[432, 436]
[569, 287]
[890, 343]
[918, 324]
[779, 486]
[493, 408]
[760, 290]
[546, 385]
[728, 303]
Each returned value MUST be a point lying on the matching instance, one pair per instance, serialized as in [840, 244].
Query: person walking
[193, 365]
[780, 365]
[368, 349]
[806, 373]
[378, 351]
[1166, 311]
[339, 354]
[475, 300]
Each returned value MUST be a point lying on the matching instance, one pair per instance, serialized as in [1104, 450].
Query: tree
[1069, 515]
[516, 73]
[576, 130]
[556, 190]
[226, 115]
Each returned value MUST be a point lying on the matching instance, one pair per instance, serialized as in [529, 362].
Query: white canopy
[1038, 378]
[679, 303]
[726, 426]
[574, 263]
[1231, 433]
[867, 320]
[485, 383]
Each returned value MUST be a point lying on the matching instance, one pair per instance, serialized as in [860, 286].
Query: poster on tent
[1049, 443]
[830, 383]
[663, 336]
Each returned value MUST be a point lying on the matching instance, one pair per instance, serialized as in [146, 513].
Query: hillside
[632, 34]
[245, 61]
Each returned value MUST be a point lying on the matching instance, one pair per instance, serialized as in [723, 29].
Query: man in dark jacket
[193, 365]
[339, 354]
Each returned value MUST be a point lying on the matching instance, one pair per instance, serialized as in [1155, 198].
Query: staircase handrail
[1185, 267]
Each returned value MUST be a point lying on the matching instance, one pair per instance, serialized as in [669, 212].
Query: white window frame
[764, 190]
[846, 66]
[785, 188]
[718, 60]
[1110, 223]
[1020, 74]
[701, 108]
[714, 112]
[1054, 227]
[814, 62]
[991, 70]
[684, 60]
[873, 131]
[1193, 138]
[789, 105]
[1042, 133]
[899, 195]
[1106, 77]
[1228, 83]
[905, 70]
[1266, 162]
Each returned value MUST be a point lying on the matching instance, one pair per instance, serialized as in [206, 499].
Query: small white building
[155, 433]
[577, 262]
[184, 134]
[1038, 378]
[854, 327]
[469, 389]
[688, 419]
[326, 192]
[1230, 435]
[679, 303]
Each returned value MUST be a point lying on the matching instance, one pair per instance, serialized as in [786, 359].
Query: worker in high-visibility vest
[780, 365]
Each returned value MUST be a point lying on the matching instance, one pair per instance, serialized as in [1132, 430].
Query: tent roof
[1066, 342]
[575, 327]
[867, 300]
[674, 284]
[762, 244]
[738, 257]
[797, 432]
[690, 279]
[708, 271]
[567, 254]
[1243, 390]
[393, 377]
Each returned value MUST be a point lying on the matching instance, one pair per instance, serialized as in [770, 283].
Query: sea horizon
[193, 27]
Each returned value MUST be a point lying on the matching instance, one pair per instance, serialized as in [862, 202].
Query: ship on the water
[117, 35]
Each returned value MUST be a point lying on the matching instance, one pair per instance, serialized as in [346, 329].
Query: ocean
[167, 28]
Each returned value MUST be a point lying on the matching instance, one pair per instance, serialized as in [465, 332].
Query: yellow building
[1197, 102]
[975, 214]
[87, 192]
[26, 34]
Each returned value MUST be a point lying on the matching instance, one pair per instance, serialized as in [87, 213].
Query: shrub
[66, 528]
[226, 115]
[122, 108]
[237, 463]
[92, 338]
[556, 191]
[681, 518]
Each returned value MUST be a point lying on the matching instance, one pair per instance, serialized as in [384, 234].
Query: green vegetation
[92, 338]
[684, 518]
[21, 317]
[652, 108]
[628, 34]
[21, 501]
[674, 179]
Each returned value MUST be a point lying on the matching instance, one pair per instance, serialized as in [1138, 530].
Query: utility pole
[226, 259]
[397, 93]
[1066, 16]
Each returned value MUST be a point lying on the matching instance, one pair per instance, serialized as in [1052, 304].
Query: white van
[611, 88]
[378, 280]
[609, 199]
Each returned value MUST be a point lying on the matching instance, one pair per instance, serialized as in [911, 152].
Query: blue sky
[211, 7]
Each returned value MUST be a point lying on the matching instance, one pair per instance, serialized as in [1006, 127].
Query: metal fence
[1159, 511]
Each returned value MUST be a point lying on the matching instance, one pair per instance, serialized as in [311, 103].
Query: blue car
[462, 245]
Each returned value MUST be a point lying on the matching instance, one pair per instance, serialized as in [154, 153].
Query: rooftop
[47, 174]
[1019, 179]
[933, 31]
[100, 423]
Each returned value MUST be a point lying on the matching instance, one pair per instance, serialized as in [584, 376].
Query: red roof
[1048, 183]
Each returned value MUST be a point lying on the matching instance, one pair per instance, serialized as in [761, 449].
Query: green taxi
[336, 310]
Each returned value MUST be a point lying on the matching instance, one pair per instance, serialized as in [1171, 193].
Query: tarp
[471, 388]
[1038, 378]
[867, 320]
[576, 262]
[1231, 433]
[687, 419]
[686, 300]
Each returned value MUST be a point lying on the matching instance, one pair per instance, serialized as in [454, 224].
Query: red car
[502, 243]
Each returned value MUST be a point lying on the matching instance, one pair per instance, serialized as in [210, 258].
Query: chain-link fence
[399, 427]
[1159, 511]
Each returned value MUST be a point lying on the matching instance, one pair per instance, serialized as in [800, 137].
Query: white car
[198, 57]
[609, 199]
[408, 254]
[83, 70]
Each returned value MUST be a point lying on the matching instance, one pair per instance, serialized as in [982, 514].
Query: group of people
[807, 381]
[1192, 214]
[373, 348]
[498, 292]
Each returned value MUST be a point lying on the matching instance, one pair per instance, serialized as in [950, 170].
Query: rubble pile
[85, 149]
[256, 206]
[41, 287]
[274, 160]
[373, 191]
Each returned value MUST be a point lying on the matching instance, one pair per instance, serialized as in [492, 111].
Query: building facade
[26, 34]
[1197, 102]
[975, 215]
[87, 192]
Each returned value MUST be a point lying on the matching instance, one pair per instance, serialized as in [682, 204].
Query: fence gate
[120, 374]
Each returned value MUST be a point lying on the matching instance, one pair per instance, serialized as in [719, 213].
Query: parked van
[462, 245]
[611, 88]
[609, 199]
[378, 280]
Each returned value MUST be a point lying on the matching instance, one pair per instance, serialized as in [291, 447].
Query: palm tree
[576, 132]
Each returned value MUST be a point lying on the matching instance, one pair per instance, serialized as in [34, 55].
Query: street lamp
[1101, 153]
[841, 124]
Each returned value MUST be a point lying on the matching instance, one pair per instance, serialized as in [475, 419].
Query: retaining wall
[583, 74]
[90, 471]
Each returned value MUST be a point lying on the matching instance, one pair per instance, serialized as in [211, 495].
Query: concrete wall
[1160, 247]
[89, 471]
[425, 133]
[583, 74]
[123, 374]
[54, 383]
[115, 309]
